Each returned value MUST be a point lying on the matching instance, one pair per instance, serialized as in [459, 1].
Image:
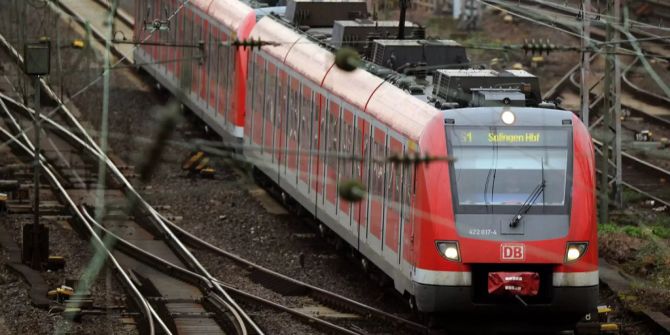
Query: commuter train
[506, 228]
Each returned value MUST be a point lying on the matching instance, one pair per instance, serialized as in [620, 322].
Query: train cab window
[503, 168]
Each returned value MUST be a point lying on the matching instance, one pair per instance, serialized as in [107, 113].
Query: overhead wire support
[611, 117]
[585, 67]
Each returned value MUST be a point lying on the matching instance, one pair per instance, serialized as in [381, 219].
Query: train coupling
[598, 322]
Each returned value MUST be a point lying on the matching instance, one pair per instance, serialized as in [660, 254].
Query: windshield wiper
[539, 189]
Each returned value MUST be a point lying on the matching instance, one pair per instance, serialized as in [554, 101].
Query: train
[505, 229]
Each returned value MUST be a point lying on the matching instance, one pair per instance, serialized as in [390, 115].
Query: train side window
[223, 73]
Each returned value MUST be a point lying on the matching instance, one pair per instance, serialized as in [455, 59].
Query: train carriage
[298, 99]
[414, 214]
[190, 55]
[508, 228]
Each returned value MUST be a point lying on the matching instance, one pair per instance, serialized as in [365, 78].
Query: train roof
[411, 64]
[232, 13]
[365, 91]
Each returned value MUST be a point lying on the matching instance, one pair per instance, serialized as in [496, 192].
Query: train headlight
[574, 251]
[507, 117]
[449, 250]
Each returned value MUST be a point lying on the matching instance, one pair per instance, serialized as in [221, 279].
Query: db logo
[512, 252]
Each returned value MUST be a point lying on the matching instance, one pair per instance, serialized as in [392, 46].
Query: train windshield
[503, 166]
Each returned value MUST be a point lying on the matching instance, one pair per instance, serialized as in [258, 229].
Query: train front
[514, 234]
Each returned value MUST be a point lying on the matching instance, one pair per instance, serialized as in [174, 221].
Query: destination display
[505, 136]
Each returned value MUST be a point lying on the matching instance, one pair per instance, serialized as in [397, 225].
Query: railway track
[565, 17]
[180, 307]
[268, 276]
[172, 266]
[640, 175]
[208, 306]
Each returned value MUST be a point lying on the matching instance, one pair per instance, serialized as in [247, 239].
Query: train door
[280, 119]
[269, 110]
[179, 52]
[293, 117]
[305, 137]
[256, 98]
[164, 38]
[195, 61]
[318, 131]
[409, 173]
[376, 189]
[229, 84]
[204, 61]
[362, 173]
[185, 76]
[222, 75]
[332, 138]
[171, 52]
[392, 197]
[345, 170]
[212, 68]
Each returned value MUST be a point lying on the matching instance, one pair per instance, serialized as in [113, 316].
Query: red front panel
[433, 212]
[435, 219]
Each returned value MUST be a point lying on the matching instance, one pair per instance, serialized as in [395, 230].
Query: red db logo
[512, 252]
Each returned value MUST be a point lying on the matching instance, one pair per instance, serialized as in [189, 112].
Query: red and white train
[509, 227]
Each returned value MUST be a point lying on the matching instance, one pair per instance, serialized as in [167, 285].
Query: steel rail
[150, 313]
[195, 241]
[166, 266]
[170, 238]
